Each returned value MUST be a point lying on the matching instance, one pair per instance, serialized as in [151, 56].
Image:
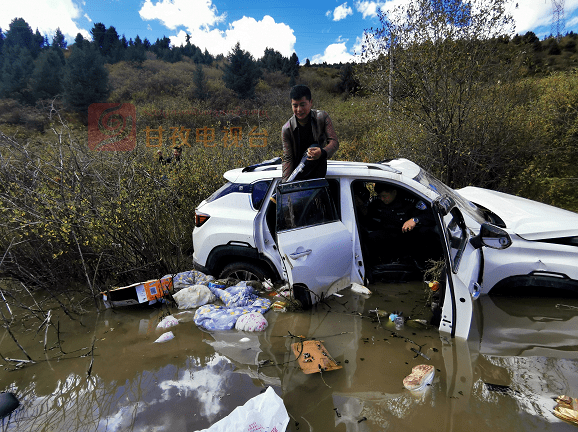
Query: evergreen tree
[39, 42]
[85, 79]
[207, 58]
[110, 42]
[80, 42]
[48, 73]
[242, 73]
[348, 82]
[98, 32]
[16, 74]
[58, 39]
[291, 66]
[19, 34]
[200, 81]
[2, 37]
[272, 60]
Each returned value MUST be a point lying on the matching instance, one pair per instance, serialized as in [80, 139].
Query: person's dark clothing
[296, 139]
[386, 238]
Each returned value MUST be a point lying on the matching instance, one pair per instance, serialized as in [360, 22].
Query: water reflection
[524, 354]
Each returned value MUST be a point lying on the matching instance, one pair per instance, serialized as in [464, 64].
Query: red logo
[111, 127]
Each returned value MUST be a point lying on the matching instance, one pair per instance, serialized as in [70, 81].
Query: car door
[464, 269]
[314, 244]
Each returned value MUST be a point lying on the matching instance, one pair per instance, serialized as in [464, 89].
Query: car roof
[401, 167]
[400, 171]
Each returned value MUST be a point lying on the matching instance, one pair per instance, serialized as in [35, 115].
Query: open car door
[464, 269]
[464, 265]
[315, 246]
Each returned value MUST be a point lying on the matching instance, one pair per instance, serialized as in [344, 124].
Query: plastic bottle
[398, 322]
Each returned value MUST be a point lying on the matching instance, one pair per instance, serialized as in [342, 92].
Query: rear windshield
[257, 190]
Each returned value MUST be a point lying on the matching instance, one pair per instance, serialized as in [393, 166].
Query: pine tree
[48, 73]
[200, 81]
[242, 73]
[58, 39]
[16, 74]
[291, 66]
[85, 79]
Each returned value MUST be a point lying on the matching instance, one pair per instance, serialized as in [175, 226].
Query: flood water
[522, 355]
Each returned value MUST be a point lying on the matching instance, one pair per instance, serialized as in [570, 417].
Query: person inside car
[401, 227]
[308, 130]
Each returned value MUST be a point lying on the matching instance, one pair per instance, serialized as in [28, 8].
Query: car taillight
[201, 218]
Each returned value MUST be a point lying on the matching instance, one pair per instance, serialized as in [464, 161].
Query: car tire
[243, 271]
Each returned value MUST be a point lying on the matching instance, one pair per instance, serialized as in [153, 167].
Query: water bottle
[398, 321]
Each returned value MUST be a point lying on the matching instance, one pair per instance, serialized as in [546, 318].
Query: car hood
[529, 219]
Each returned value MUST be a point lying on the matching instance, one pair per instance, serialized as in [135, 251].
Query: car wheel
[243, 271]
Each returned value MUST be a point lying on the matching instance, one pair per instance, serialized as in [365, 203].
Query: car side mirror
[491, 236]
[443, 205]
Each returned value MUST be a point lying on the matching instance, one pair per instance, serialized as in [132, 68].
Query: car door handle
[296, 255]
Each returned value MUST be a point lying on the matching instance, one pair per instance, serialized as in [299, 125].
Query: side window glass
[258, 193]
[457, 236]
[303, 208]
[335, 195]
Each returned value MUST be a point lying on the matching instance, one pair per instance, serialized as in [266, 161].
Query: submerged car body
[308, 234]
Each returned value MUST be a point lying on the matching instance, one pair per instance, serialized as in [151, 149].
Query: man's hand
[313, 153]
[408, 225]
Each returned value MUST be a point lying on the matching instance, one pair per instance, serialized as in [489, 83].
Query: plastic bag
[265, 412]
[360, 289]
[167, 322]
[194, 296]
[165, 337]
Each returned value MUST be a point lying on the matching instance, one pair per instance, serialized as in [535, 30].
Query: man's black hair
[384, 187]
[299, 91]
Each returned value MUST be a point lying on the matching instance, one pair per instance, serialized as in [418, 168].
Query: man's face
[387, 197]
[301, 107]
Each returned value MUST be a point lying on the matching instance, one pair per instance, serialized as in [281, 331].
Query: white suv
[310, 234]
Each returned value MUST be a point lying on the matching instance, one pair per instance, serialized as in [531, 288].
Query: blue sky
[320, 30]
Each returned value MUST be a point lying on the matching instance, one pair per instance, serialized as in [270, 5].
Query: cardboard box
[137, 293]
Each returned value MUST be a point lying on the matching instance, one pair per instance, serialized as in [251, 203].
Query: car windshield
[441, 189]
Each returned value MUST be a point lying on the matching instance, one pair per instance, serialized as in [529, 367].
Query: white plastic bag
[194, 297]
[360, 289]
[167, 322]
[265, 412]
[165, 337]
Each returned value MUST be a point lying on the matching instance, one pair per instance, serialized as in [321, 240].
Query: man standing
[308, 131]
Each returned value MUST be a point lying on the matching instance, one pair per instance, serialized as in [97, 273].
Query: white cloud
[532, 14]
[368, 9]
[336, 53]
[46, 16]
[176, 13]
[254, 36]
[341, 12]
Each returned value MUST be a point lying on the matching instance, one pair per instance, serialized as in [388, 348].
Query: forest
[456, 91]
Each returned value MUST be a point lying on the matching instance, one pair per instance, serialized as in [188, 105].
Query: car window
[303, 208]
[258, 193]
[456, 236]
[335, 195]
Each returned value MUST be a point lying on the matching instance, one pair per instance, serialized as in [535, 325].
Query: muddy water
[521, 355]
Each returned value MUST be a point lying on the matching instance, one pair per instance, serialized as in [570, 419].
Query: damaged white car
[313, 235]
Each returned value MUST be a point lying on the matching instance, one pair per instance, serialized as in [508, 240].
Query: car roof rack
[251, 168]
